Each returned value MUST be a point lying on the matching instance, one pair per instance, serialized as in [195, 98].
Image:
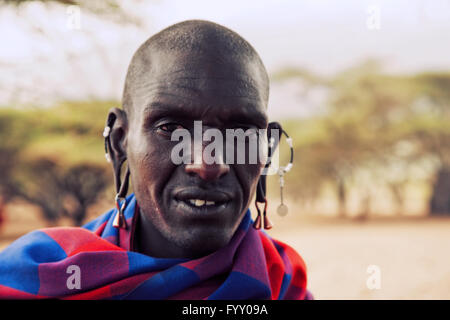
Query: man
[186, 232]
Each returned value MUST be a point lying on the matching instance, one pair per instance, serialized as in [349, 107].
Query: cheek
[150, 166]
[256, 173]
[248, 176]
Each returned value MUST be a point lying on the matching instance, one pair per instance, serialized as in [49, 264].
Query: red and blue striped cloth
[251, 266]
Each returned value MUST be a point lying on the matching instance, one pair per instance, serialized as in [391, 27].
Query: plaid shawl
[251, 266]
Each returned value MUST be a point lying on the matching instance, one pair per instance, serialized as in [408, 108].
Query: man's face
[180, 89]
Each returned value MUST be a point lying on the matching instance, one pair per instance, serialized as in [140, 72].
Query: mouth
[201, 203]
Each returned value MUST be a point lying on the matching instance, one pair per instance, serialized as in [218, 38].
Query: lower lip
[200, 212]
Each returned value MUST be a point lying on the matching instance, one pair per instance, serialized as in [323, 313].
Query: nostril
[207, 172]
[223, 169]
[191, 173]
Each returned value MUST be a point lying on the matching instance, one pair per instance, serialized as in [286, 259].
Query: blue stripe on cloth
[279, 248]
[140, 263]
[287, 277]
[165, 284]
[20, 261]
[97, 222]
[284, 285]
[239, 286]
[246, 221]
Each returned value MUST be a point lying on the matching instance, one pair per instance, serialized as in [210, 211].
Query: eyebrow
[156, 110]
[259, 119]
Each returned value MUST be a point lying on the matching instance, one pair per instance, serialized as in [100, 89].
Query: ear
[117, 142]
[278, 130]
[261, 186]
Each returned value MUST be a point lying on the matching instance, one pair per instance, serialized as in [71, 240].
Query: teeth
[200, 203]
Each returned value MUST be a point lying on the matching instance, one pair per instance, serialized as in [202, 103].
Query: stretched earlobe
[262, 220]
[115, 152]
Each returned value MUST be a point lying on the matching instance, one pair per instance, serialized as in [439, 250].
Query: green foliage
[54, 156]
[69, 133]
[374, 122]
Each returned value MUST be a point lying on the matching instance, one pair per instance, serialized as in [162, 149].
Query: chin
[204, 242]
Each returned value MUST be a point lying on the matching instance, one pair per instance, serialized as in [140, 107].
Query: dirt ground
[412, 255]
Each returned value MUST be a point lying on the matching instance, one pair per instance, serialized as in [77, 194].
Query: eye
[168, 128]
[249, 131]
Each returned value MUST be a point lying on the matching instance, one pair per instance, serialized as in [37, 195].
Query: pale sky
[42, 59]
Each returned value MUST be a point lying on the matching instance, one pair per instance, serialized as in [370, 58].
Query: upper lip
[186, 194]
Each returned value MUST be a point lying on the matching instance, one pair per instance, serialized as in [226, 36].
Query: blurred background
[363, 88]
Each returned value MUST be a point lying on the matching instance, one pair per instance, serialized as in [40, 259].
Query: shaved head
[211, 41]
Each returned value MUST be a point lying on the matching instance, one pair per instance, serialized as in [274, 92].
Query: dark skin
[181, 87]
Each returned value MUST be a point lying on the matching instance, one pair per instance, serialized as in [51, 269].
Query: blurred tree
[440, 200]
[432, 132]
[49, 24]
[13, 138]
[83, 184]
[53, 158]
[40, 183]
[61, 191]
[379, 123]
[109, 9]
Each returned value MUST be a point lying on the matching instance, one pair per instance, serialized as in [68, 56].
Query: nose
[207, 171]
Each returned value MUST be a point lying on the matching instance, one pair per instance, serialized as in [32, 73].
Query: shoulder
[287, 265]
[273, 247]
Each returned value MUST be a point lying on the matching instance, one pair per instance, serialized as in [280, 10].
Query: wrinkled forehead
[200, 81]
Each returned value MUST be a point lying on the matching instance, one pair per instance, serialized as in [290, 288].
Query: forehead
[202, 87]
